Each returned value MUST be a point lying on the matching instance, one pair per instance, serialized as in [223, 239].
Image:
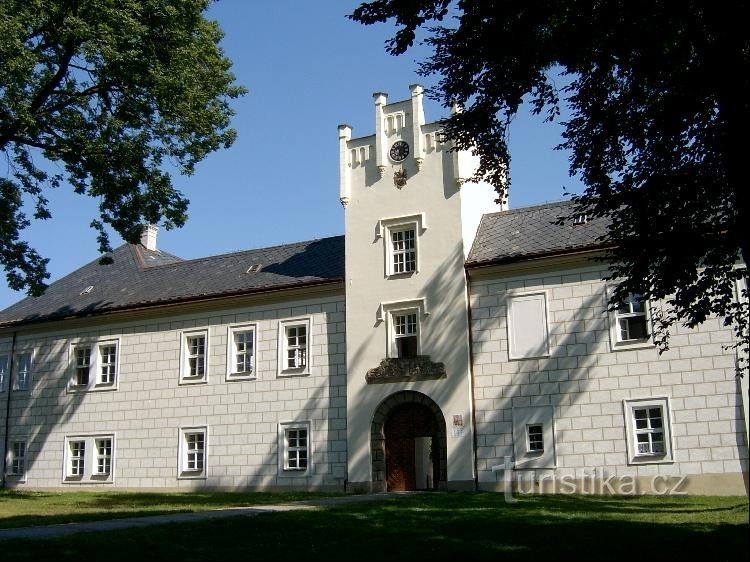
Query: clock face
[399, 151]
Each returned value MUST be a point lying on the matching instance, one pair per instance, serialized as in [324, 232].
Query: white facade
[414, 372]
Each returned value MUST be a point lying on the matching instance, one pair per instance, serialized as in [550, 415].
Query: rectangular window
[196, 356]
[107, 363]
[294, 347]
[23, 371]
[194, 359]
[405, 334]
[528, 331]
[241, 353]
[296, 448]
[403, 251]
[17, 460]
[3, 372]
[631, 319]
[535, 438]
[77, 458]
[193, 452]
[103, 456]
[83, 366]
[648, 429]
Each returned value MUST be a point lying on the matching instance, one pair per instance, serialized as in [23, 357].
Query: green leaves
[111, 91]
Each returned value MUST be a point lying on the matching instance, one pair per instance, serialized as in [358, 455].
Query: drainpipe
[11, 363]
[471, 383]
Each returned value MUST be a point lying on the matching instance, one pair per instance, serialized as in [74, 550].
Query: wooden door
[406, 423]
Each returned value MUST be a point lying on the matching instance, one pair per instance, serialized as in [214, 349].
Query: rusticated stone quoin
[393, 369]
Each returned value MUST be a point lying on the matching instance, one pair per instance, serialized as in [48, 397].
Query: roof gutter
[174, 302]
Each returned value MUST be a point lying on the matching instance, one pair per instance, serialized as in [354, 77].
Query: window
[405, 334]
[77, 458]
[403, 251]
[294, 447]
[631, 319]
[629, 323]
[534, 438]
[16, 461]
[23, 371]
[193, 452]
[83, 365]
[3, 372]
[194, 363]
[89, 459]
[241, 353]
[294, 346]
[103, 456]
[528, 333]
[401, 243]
[94, 366]
[648, 429]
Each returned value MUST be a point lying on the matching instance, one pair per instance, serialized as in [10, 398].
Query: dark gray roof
[531, 232]
[139, 277]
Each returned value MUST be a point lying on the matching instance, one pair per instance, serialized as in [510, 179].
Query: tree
[107, 96]
[658, 96]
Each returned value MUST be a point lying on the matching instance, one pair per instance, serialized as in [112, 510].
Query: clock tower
[410, 221]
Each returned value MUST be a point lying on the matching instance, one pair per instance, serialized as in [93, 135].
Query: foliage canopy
[658, 96]
[107, 96]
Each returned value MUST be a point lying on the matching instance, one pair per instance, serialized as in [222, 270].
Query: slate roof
[531, 232]
[139, 277]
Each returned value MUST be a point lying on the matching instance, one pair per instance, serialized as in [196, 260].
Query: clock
[399, 151]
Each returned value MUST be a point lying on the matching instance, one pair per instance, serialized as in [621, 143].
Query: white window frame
[530, 444]
[514, 297]
[629, 408]
[90, 475]
[393, 336]
[28, 374]
[185, 356]
[283, 346]
[527, 416]
[96, 364]
[387, 226]
[184, 450]
[4, 371]
[284, 468]
[232, 373]
[15, 466]
[615, 338]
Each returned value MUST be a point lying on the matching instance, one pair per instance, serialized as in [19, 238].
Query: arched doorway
[408, 444]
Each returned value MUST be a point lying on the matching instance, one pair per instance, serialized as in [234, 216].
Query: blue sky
[308, 69]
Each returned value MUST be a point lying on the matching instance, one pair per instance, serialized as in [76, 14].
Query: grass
[23, 509]
[439, 526]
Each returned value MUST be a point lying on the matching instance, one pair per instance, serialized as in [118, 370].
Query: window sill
[193, 380]
[234, 377]
[529, 358]
[191, 475]
[632, 344]
[294, 373]
[405, 274]
[650, 459]
[75, 480]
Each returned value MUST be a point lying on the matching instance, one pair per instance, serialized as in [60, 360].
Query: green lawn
[22, 509]
[439, 526]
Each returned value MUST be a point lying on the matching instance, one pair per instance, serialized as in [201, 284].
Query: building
[449, 343]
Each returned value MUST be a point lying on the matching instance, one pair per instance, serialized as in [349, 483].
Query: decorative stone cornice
[420, 368]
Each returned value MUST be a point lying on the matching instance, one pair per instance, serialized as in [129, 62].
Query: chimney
[148, 236]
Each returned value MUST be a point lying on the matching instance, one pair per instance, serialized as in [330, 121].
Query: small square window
[648, 429]
[194, 360]
[294, 347]
[193, 452]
